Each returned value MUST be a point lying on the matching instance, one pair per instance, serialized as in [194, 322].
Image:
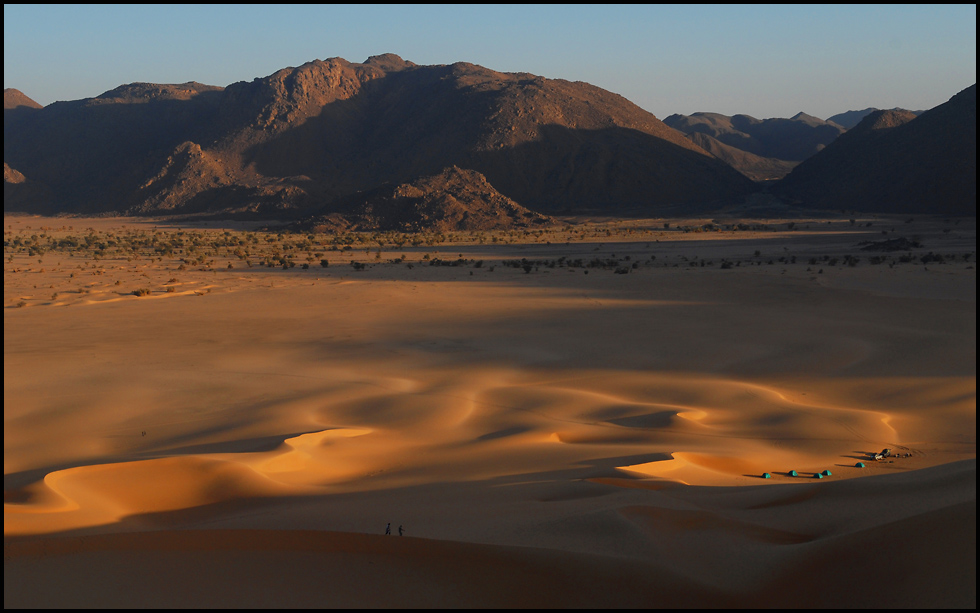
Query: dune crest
[583, 416]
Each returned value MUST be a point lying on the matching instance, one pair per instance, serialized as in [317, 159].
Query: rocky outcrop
[455, 199]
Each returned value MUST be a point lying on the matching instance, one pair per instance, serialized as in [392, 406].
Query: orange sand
[547, 439]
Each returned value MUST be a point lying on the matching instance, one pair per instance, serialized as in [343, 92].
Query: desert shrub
[141, 292]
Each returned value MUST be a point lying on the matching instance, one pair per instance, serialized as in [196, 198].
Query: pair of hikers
[401, 529]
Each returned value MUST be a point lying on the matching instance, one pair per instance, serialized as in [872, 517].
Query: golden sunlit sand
[576, 416]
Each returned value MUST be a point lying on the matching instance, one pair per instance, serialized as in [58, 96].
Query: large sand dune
[546, 438]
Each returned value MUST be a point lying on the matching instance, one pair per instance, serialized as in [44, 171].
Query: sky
[759, 60]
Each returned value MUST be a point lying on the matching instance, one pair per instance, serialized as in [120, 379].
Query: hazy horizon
[763, 61]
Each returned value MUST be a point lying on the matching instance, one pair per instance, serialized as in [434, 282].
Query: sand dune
[733, 554]
[547, 438]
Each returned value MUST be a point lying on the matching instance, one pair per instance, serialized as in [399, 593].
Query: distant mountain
[850, 119]
[13, 98]
[304, 138]
[896, 162]
[775, 144]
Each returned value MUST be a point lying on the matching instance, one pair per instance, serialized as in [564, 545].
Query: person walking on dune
[388, 528]
[401, 530]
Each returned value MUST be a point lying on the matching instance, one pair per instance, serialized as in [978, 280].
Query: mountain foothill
[391, 144]
[896, 161]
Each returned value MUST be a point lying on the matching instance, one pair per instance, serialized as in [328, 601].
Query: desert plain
[600, 413]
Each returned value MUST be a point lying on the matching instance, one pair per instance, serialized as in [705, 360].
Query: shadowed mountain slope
[18, 192]
[895, 162]
[302, 138]
[753, 166]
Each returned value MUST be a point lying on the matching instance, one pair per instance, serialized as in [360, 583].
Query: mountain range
[302, 138]
[896, 162]
[341, 141]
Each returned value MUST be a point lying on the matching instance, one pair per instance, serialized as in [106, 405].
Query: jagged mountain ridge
[301, 138]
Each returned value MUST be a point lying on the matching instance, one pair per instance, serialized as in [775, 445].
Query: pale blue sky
[761, 60]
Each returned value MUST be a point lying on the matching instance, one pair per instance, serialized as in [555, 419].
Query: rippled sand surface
[556, 437]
